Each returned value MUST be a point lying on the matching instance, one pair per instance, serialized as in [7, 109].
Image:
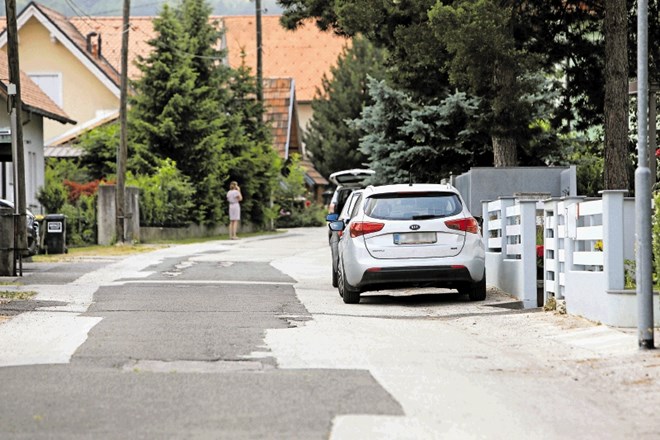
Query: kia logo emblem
[415, 227]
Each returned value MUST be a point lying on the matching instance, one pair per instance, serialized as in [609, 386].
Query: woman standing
[234, 198]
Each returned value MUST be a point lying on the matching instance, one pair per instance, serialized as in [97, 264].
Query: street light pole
[643, 189]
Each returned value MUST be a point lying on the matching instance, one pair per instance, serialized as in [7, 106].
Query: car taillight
[464, 224]
[361, 228]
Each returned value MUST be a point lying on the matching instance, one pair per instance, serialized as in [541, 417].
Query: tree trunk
[616, 95]
[504, 151]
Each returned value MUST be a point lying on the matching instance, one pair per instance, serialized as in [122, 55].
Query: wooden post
[260, 75]
[16, 111]
[122, 154]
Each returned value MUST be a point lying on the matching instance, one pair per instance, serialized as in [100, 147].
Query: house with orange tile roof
[37, 107]
[81, 73]
[305, 54]
[282, 114]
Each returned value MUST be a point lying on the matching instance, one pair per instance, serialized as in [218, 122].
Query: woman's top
[234, 196]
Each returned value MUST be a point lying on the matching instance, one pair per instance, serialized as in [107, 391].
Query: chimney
[91, 48]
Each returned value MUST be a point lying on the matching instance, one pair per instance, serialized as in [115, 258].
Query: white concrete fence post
[485, 217]
[528, 245]
[569, 233]
[505, 202]
[613, 224]
[551, 244]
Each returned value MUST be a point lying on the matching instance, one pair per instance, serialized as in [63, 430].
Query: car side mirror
[336, 226]
[332, 217]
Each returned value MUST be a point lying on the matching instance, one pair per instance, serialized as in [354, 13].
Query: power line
[79, 12]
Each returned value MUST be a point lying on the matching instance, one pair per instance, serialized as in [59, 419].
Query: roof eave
[49, 115]
[34, 10]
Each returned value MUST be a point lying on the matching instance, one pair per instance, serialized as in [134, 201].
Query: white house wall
[33, 145]
[34, 166]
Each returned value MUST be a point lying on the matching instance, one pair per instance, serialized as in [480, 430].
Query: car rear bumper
[391, 277]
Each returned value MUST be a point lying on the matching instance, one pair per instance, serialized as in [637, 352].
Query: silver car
[410, 235]
[347, 211]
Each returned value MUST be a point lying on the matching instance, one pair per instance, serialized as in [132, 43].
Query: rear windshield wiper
[426, 216]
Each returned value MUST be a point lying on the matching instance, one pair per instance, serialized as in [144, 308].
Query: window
[356, 207]
[51, 84]
[412, 206]
[31, 178]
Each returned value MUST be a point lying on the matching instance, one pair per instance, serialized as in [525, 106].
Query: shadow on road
[413, 300]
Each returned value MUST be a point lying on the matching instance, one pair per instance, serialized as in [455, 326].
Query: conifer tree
[406, 141]
[177, 116]
[332, 142]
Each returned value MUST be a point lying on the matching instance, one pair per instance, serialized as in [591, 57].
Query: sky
[144, 7]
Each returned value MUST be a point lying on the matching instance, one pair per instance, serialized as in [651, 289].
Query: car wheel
[33, 249]
[476, 291]
[350, 294]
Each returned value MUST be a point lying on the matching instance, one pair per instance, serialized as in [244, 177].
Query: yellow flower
[598, 246]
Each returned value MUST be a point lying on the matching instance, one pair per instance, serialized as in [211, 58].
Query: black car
[32, 229]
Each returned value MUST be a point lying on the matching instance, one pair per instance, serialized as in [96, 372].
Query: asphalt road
[247, 339]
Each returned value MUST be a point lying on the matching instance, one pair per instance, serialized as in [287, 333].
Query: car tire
[476, 291]
[33, 249]
[334, 279]
[350, 294]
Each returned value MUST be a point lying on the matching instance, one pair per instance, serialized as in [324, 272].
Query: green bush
[302, 215]
[80, 221]
[165, 197]
[295, 210]
[78, 207]
[655, 238]
[54, 194]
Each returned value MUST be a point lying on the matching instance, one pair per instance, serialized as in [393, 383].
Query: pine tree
[486, 62]
[406, 141]
[177, 116]
[332, 142]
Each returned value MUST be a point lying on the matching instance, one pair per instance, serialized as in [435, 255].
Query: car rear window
[412, 206]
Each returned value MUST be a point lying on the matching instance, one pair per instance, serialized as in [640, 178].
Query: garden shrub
[292, 198]
[81, 220]
[165, 196]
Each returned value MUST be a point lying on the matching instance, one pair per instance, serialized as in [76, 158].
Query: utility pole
[643, 188]
[16, 109]
[122, 154]
[260, 70]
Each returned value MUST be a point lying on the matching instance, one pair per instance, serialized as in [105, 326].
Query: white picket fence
[586, 243]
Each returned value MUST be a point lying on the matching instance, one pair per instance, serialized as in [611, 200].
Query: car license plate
[415, 238]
